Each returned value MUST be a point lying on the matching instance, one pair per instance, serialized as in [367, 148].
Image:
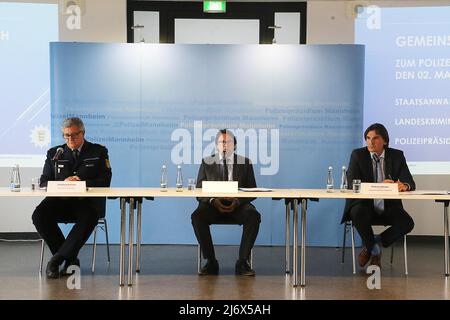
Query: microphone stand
[55, 159]
[55, 165]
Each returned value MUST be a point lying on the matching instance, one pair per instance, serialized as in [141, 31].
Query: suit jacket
[210, 170]
[361, 167]
[92, 166]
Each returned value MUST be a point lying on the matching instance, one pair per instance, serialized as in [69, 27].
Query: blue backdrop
[408, 71]
[295, 109]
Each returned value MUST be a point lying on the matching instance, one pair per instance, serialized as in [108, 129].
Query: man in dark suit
[378, 163]
[77, 160]
[225, 165]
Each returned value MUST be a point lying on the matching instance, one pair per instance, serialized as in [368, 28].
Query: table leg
[138, 236]
[446, 245]
[130, 242]
[303, 256]
[122, 242]
[287, 240]
[295, 244]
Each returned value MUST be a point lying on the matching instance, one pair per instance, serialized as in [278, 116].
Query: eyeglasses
[225, 141]
[73, 135]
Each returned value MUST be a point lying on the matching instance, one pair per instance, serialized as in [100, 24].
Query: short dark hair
[227, 132]
[380, 130]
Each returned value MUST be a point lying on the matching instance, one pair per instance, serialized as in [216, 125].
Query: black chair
[349, 226]
[104, 226]
[199, 249]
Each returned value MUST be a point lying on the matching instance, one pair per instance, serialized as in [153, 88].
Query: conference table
[317, 194]
[134, 196]
[292, 196]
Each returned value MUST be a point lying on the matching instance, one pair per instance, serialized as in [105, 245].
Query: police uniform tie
[75, 155]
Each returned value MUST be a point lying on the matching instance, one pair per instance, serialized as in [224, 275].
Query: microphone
[58, 153]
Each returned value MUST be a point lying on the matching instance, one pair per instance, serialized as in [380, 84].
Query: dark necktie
[225, 169]
[75, 155]
[377, 173]
[378, 177]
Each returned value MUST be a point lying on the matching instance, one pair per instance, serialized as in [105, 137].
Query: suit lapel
[235, 169]
[387, 163]
[369, 168]
[217, 167]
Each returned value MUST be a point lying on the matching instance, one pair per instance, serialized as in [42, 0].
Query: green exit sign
[214, 6]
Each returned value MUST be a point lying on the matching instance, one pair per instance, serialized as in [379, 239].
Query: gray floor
[169, 272]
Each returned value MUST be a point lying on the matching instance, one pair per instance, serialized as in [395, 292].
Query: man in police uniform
[76, 160]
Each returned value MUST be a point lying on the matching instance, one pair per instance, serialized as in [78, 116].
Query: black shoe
[243, 268]
[52, 269]
[67, 264]
[210, 268]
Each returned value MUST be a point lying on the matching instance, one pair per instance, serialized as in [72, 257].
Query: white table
[305, 194]
[133, 195]
[92, 192]
[294, 195]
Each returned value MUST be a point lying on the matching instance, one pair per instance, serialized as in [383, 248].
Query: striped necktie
[378, 177]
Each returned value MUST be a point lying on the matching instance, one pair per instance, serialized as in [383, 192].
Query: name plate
[220, 186]
[379, 188]
[66, 186]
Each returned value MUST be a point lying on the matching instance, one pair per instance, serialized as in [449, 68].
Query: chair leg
[94, 249]
[405, 251]
[107, 240]
[199, 258]
[353, 248]
[41, 259]
[343, 242]
[392, 253]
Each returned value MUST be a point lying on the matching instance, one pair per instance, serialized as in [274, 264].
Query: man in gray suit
[225, 165]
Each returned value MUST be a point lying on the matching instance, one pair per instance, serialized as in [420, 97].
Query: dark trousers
[52, 211]
[364, 217]
[245, 215]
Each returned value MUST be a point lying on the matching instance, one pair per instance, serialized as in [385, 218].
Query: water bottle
[163, 182]
[344, 183]
[15, 179]
[179, 184]
[330, 182]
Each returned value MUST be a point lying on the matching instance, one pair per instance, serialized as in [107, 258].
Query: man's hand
[401, 186]
[72, 178]
[225, 205]
[234, 203]
[216, 203]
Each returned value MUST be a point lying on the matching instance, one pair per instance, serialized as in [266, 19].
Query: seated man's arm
[200, 178]
[405, 176]
[48, 173]
[353, 171]
[250, 182]
[104, 174]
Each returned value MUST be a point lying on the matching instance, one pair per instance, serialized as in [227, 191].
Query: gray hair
[69, 122]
